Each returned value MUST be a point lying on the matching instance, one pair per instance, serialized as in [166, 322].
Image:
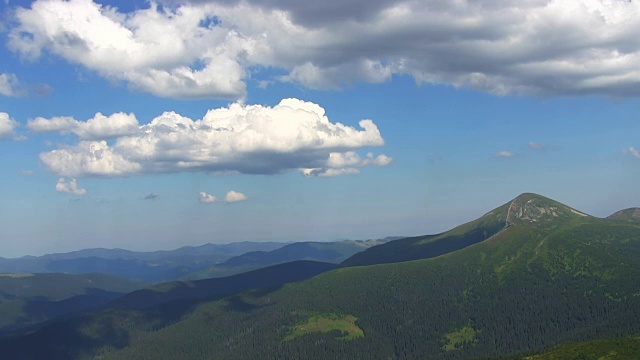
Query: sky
[154, 125]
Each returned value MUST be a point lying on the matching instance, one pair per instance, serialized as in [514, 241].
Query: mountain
[531, 209]
[544, 274]
[28, 299]
[155, 266]
[333, 252]
[631, 215]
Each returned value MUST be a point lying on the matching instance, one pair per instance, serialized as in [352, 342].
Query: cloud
[537, 146]
[89, 158]
[169, 53]
[98, 127]
[151, 196]
[320, 172]
[205, 198]
[504, 154]
[26, 172]
[233, 197]
[70, 187]
[9, 85]
[197, 49]
[633, 151]
[248, 139]
[7, 126]
[345, 164]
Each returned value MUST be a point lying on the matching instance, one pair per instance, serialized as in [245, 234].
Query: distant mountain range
[525, 277]
[332, 252]
[155, 266]
[186, 263]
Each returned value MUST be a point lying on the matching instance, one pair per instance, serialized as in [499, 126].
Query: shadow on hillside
[128, 318]
[40, 310]
[90, 334]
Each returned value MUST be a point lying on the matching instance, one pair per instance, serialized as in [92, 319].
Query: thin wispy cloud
[541, 147]
[11, 86]
[633, 151]
[504, 154]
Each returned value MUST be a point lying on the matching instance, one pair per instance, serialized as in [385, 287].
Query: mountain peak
[631, 214]
[534, 209]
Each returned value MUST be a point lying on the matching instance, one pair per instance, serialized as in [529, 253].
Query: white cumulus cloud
[250, 139]
[98, 127]
[199, 48]
[234, 196]
[205, 198]
[9, 85]
[69, 186]
[7, 126]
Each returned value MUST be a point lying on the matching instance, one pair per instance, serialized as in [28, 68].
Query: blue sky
[465, 105]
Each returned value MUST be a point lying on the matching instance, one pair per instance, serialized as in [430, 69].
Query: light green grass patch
[460, 338]
[326, 323]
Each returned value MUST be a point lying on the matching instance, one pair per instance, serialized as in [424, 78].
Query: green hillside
[549, 275]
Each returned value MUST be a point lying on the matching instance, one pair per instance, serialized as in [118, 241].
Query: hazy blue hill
[549, 275]
[631, 214]
[27, 299]
[333, 252]
[223, 250]
[154, 266]
[268, 277]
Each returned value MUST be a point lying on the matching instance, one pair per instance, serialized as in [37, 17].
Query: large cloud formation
[211, 48]
[250, 139]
